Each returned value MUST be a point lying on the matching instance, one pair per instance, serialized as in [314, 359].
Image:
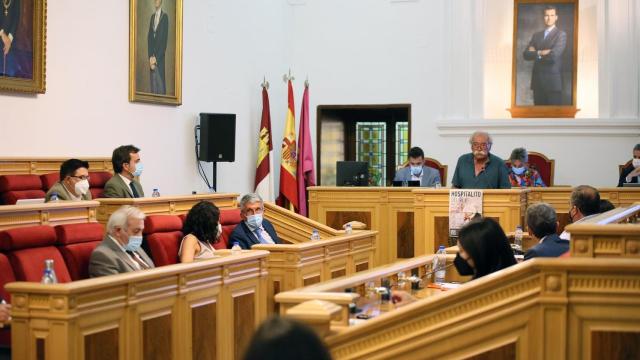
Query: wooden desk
[174, 205]
[507, 206]
[46, 165]
[559, 198]
[202, 310]
[63, 212]
[389, 210]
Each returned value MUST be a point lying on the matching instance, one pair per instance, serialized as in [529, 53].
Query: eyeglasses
[480, 145]
[83, 177]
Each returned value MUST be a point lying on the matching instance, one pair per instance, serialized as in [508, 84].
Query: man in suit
[74, 182]
[631, 174]
[480, 169]
[416, 170]
[583, 205]
[157, 45]
[9, 20]
[127, 166]
[543, 223]
[120, 251]
[253, 229]
[545, 49]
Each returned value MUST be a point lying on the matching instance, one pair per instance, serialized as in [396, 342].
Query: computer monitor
[631, 185]
[352, 173]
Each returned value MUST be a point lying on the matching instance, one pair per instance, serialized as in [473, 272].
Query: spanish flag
[264, 176]
[288, 197]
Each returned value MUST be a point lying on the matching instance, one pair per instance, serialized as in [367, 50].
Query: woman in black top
[629, 173]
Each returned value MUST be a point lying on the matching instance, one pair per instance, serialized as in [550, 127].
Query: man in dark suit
[416, 170]
[127, 166]
[253, 229]
[9, 20]
[545, 49]
[120, 251]
[157, 45]
[543, 223]
[630, 174]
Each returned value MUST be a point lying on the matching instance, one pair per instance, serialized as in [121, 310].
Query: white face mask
[82, 187]
[636, 163]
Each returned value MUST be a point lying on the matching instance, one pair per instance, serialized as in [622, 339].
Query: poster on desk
[464, 205]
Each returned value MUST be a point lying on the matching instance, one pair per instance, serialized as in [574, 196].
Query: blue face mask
[139, 169]
[518, 170]
[416, 170]
[134, 243]
[254, 221]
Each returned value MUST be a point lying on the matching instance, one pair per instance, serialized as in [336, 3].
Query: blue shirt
[494, 176]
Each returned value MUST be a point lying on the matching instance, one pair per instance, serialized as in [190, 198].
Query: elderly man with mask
[253, 229]
[120, 251]
[74, 182]
[480, 169]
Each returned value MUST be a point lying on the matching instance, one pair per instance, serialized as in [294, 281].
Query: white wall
[431, 54]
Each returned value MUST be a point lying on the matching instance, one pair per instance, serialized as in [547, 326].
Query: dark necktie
[138, 259]
[133, 190]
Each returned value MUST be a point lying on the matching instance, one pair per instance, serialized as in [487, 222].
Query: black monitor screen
[352, 173]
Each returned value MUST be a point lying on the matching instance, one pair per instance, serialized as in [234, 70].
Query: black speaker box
[217, 137]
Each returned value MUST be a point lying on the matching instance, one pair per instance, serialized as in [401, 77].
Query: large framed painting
[545, 48]
[22, 43]
[155, 51]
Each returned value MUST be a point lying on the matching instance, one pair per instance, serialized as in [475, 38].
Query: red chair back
[97, 179]
[6, 276]
[28, 248]
[76, 243]
[163, 234]
[544, 165]
[433, 163]
[17, 187]
[229, 219]
[48, 180]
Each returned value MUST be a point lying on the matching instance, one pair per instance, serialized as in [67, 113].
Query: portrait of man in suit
[544, 54]
[157, 46]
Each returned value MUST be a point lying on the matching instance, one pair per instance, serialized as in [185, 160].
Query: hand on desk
[401, 298]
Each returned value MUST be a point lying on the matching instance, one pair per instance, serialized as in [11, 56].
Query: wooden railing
[539, 309]
[57, 213]
[45, 165]
[202, 310]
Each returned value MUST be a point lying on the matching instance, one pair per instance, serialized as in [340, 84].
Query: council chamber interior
[402, 179]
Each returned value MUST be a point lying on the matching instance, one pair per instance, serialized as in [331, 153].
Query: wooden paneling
[606, 345]
[404, 234]
[156, 338]
[311, 280]
[338, 273]
[64, 212]
[45, 165]
[102, 345]
[362, 267]
[336, 219]
[244, 320]
[40, 349]
[506, 352]
[204, 332]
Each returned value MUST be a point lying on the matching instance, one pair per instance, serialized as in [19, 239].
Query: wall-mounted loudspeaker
[217, 137]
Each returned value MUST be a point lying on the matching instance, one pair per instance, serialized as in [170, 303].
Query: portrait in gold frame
[155, 51]
[23, 45]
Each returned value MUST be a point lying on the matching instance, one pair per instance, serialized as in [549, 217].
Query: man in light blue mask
[254, 228]
[120, 251]
[417, 171]
[128, 168]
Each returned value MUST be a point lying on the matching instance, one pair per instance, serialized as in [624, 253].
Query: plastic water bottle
[437, 185]
[236, 249]
[315, 235]
[517, 239]
[49, 276]
[54, 197]
[348, 229]
[439, 265]
[155, 193]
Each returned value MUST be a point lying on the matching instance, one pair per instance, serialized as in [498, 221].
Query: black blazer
[547, 70]
[157, 40]
[246, 238]
[623, 175]
[552, 246]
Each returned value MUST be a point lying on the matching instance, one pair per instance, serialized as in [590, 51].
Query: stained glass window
[371, 146]
[402, 142]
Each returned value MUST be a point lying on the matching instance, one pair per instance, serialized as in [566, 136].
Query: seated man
[127, 166]
[416, 170]
[584, 204]
[543, 224]
[631, 173]
[73, 183]
[480, 169]
[120, 251]
[253, 229]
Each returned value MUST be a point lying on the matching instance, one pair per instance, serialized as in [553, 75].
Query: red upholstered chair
[48, 180]
[229, 219]
[28, 248]
[76, 243]
[17, 187]
[163, 234]
[6, 276]
[433, 163]
[97, 179]
[544, 165]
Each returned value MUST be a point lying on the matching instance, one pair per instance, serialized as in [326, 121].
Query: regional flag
[264, 176]
[306, 173]
[288, 197]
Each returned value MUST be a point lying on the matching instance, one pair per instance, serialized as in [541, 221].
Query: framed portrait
[22, 41]
[155, 51]
[545, 48]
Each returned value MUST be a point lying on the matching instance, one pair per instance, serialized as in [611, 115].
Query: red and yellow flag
[288, 197]
[264, 176]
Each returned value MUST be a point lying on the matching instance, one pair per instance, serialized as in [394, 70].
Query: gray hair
[120, 217]
[542, 220]
[636, 148]
[250, 198]
[480, 133]
[519, 154]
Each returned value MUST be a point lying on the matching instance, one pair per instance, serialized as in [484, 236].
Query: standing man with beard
[480, 169]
